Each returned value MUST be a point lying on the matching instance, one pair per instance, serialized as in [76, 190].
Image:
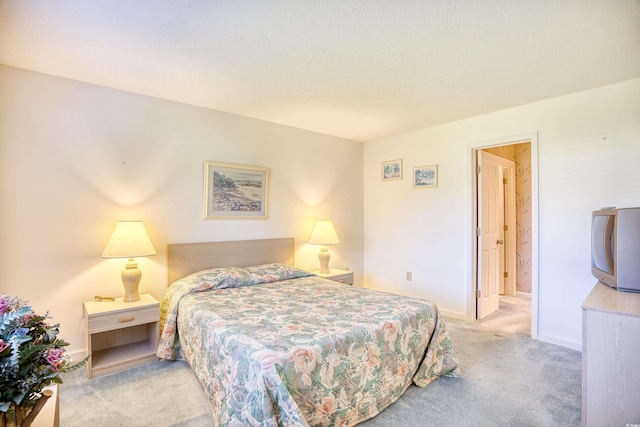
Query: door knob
[500, 242]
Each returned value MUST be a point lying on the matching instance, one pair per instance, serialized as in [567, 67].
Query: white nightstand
[120, 335]
[342, 276]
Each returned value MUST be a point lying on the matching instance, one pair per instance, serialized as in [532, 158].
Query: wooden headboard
[187, 258]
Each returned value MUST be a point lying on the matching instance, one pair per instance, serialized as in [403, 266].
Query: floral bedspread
[274, 346]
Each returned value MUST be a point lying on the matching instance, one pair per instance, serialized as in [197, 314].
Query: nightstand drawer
[347, 279]
[341, 276]
[123, 319]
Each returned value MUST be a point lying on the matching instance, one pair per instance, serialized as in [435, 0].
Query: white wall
[75, 158]
[589, 157]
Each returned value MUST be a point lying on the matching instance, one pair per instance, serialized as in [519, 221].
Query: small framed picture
[425, 176]
[391, 170]
[235, 191]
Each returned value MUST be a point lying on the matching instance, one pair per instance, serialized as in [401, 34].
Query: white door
[507, 226]
[509, 229]
[490, 205]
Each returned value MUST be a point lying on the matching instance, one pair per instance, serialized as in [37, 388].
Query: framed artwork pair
[423, 176]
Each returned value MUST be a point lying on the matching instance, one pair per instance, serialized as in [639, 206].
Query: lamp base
[324, 256]
[131, 279]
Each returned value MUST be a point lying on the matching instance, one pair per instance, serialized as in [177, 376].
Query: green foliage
[31, 354]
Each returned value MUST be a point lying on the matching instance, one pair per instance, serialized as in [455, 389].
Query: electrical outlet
[409, 276]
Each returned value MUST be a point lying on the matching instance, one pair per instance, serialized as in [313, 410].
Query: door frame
[532, 138]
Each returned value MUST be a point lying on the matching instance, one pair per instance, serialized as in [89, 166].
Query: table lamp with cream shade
[324, 234]
[129, 240]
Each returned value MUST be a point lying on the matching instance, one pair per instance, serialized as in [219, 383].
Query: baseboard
[452, 314]
[77, 355]
[561, 342]
[523, 294]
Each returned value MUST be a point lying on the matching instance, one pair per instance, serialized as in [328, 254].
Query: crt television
[615, 248]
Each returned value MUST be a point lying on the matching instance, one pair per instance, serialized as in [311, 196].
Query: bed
[273, 345]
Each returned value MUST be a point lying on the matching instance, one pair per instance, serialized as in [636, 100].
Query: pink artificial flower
[5, 304]
[55, 357]
[28, 318]
[4, 345]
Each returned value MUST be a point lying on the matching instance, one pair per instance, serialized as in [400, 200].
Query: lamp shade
[129, 239]
[323, 233]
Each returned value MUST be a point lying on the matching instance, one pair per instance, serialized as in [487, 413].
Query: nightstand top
[332, 272]
[97, 307]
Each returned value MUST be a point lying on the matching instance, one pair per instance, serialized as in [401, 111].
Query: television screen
[602, 251]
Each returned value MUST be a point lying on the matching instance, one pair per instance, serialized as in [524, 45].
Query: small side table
[120, 335]
[342, 276]
[49, 415]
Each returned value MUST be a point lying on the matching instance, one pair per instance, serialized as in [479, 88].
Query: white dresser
[610, 358]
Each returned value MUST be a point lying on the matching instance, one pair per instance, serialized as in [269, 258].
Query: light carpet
[507, 379]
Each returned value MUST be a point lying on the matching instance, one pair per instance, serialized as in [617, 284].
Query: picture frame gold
[391, 170]
[425, 176]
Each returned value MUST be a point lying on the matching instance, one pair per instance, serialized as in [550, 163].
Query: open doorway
[496, 227]
[516, 277]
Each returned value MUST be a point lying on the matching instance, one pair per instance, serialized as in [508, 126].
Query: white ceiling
[358, 69]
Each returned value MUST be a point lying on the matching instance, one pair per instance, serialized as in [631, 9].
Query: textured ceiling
[361, 70]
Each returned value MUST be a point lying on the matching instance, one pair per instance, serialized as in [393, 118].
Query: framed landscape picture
[391, 170]
[235, 191]
[425, 176]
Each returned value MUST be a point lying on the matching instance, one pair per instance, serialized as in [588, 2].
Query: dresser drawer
[123, 319]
